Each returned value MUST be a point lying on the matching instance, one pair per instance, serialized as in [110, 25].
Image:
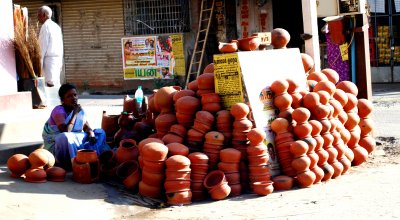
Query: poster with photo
[148, 57]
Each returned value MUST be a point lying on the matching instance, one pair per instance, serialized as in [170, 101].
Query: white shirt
[51, 40]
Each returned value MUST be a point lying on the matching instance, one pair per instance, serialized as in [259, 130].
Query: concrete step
[6, 151]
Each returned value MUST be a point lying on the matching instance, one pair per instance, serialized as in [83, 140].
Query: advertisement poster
[228, 79]
[149, 57]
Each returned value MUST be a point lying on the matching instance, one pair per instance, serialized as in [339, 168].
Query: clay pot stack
[153, 155]
[202, 124]
[241, 126]
[216, 185]
[177, 182]
[177, 149]
[199, 170]
[224, 125]
[186, 108]
[366, 125]
[282, 99]
[283, 139]
[163, 123]
[214, 142]
[301, 163]
[303, 130]
[257, 154]
[176, 134]
[205, 83]
[211, 102]
[230, 161]
[86, 166]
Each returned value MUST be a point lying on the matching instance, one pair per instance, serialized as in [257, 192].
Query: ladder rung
[200, 41]
[198, 51]
[205, 19]
[208, 9]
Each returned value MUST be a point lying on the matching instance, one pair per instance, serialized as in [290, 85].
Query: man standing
[51, 45]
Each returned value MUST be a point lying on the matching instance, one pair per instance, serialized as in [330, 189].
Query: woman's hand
[77, 108]
[92, 138]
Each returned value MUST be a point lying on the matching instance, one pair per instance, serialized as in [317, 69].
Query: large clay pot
[126, 120]
[249, 43]
[163, 99]
[41, 158]
[109, 123]
[205, 81]
[85, 172]
[127, 150]
[129, 173]
[18, 164]
[279, 38]
[86, 156]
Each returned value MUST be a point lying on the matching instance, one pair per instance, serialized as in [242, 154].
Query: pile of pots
[321, 130]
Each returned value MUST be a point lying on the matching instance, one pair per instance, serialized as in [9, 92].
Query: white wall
[8, 76]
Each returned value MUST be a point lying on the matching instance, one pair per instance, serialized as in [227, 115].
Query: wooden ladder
[196, 61]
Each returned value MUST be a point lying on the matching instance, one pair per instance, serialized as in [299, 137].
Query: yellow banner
[228, 79]
[344, 52]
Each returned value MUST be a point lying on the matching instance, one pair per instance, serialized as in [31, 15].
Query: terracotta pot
[127, 150]
[346, 164]
[186, 120]
[283, 102]
[152, 179]
[303, 130]
[263, 188]
[212, 107]
[40, 158]
[351, 104]
[201, 92]
[301, 164]
[214, 178]
[201, 127]
[163, 99]
[164, 122]
[341, 96]
[317, 76]
[56, 174]
[319, 174]
[228, 167]
[249, 43]
[365, 108]
[368, 143]
[85, 172]
[35, 175]
[154, 152]
[177, 162]
[279, 38]
[205, 81]
[223, 116]
[230, 155]
[298, 148]
[348, 87]
[360, 155]
[233, 178]
[170, 138]
[129, 173]
[282, 182]
[325, 85]
[214, 137]
[179, 198]
[176, 186]
[86, 156]
[258, 178]
[210, 98]
[154, 166]
[197, 185]
[18, 164]
[187, 105]
[256, 136]
[149, 191]
[195, 135]
[242, 125]
[240, 110]
[198, 158]
[179, 130]
[108, 170]
[328, 171]
[306, 179]
[308, 62]
[106, 156]
[259, 170]
[220, 192]
[258, 160]
[177, 149]
[182, 93]
[109, 123]
[177, 175]
[228, 47]
[209, 68]
[126, 120]
[198, 177]
[146, 141]
[193, 85]
[236, 189]
[301, 115]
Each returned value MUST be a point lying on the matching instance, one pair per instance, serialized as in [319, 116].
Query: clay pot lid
[56, 174]
[35, 175]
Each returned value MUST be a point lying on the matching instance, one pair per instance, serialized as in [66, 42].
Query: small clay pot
[35, 175]
[179, 130]
[149, 191]
[199, 168]
[228, 167]
[56, 174]
[198, 158]
[182, 93]
[205, 81]
[279, 38]
[214, 137]
[177, 175]
[263, 188]
[240, 110]
[220, 192]
[228, 47]
[154, 152]
[177, 162]
[151, 178]
[282, 182]
[306, 179]
[129, 173]
[249, 43]
[230, 155]
[177, 149]
[193, 85]
[176, 186]
[146, 141]
[172, 138]
[256, 136]
[348, 86]
[41, 158]
[179, 198]
[236, 189]
[154, 166]
[127, 150]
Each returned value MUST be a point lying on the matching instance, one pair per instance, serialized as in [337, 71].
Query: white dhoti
[52, 74]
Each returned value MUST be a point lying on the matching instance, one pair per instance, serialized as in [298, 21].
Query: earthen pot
[236, 189]
[86, 156]
[177, 162]
[228, 47]
[152, 178]
[198, 158]
[178, 175]
[282, 182]
[179, 130]
[328, 171]
[146, 141]
[195, 135]
[214, 137]
[279, 38]
[212, 107]
[228, 167]
[220, 192]
[55, 174]
[182, 93]
[348, 87]
[149, 191]
[308, 62]
[256, 136]
[306, 179]
[41, 158]
[129, 173]
[298, 148]
[108, 170]
[263, 188]
[187, 105]
[154, 152]
[163, 99]
[193, 85]
[209, 68]
[230, 155]
[177, 149]
[341, 96]
[18, 164]
[35, 175]
[205, 81]
[258, 160]
[351, 105]
[85, 173]
[107, 156]
[368, 142]
[301, 164]
[259, 170]
[331, 74]
[239, 110]
[109, 123]
[223, 116]
[172, 138]
[319, 174]
[179, 198]
[301, 115]
[360, 155]
[365, 108]
[205, 117]
[164, 122]
[176, 186]
[317, 76]
[249, 43]
[127, 150]
[197, 177]
[233, 178]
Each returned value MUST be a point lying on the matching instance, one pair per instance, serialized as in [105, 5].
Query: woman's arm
[62, 124]
[89, 131]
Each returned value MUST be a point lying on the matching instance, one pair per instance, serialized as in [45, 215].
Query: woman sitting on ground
[67, 130]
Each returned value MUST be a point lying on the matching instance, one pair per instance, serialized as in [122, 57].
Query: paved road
[367, 192]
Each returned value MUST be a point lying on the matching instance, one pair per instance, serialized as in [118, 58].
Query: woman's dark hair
[64, 89]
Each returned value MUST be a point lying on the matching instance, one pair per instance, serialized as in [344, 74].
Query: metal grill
[156, 16]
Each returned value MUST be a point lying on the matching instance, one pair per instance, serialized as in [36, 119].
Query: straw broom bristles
[34, 51]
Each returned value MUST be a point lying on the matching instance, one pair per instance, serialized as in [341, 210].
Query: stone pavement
[365, 193]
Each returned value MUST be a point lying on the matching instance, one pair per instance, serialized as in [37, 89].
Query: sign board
[258, 70]
[148, 57]
[265, 37]
[228, 79]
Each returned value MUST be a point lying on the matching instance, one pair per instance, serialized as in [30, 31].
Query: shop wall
[252, 18]
[8, 82]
